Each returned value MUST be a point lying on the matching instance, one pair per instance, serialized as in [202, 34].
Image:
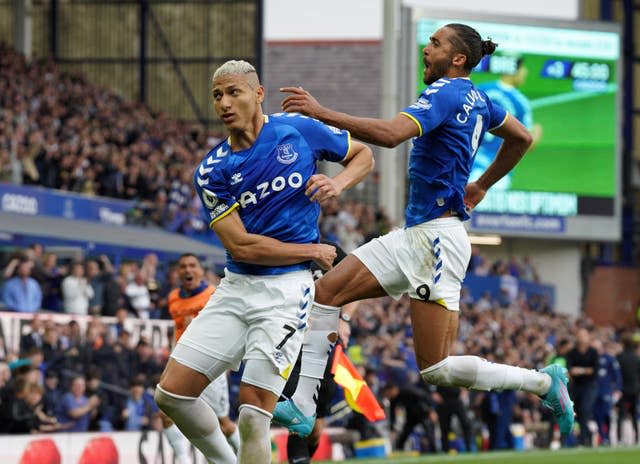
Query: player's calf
[319, 339]
[255, 441]
[198, 423]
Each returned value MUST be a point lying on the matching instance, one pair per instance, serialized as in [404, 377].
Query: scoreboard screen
[561, 82]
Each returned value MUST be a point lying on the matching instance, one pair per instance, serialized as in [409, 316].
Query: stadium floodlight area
[562, 80]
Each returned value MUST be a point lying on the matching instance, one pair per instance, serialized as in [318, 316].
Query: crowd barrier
[158, 332]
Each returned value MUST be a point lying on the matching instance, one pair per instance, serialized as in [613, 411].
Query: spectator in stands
[172, 280]
[498, 414]
[485, 302]
[609, 386]
[52, 351]
[138, 294]
[26, 411]
[105, 416]
[73, 334]
[508, 284]
[110, 294]
[76, 407]
[35, 253]
[528, 271]
[52, 398]
[630, 370]
[122, 314]
[582, 362]
[124, 353]
[513, 267]
[35, 358]
[64, 136]
[153, 280]
[33, 336]
[140, 407]
[144, 361]
[21, 293]
[418, 409]
[560, 355]
[97, 285]
[52, 276]
[76, 291]
[449, 403]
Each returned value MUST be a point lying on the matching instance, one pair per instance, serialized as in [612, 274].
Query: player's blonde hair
[234, 67]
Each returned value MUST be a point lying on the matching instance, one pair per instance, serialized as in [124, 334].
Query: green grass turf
[584, 164]
[568, 456]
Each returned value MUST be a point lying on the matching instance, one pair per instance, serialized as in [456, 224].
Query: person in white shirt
[138, 295]
[76, 291]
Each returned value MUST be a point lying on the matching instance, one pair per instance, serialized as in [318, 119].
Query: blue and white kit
[428, 258]
[259, 313]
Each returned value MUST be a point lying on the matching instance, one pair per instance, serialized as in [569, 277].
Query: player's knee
[437, 374]
[253, 422]
[227, 426]
[169, 403]
[458, 371]
[162, 400]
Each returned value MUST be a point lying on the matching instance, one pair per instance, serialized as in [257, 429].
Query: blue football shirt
[453, 116]
[266, 182]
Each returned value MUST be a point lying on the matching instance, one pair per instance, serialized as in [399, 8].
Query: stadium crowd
[62, 379]
[59, 131]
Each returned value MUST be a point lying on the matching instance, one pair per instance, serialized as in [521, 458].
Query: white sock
[316, 346]
[197, 421]
[255, 440]
[234, 440]
[478, 374]
[179, 443]
[215, 448]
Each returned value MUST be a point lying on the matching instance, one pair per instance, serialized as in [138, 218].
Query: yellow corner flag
[356, 391]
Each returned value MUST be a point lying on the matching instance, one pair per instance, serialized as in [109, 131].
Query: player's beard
[437, 70]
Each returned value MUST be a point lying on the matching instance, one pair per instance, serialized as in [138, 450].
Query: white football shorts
[260, 318]
[216, 395]
[427, 261]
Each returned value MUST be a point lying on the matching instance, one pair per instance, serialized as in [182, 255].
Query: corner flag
[356, 392]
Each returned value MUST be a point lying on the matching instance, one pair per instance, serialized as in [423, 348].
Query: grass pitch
[568, 456]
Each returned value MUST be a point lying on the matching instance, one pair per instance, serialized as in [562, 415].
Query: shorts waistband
[439, 223]
[297, 275]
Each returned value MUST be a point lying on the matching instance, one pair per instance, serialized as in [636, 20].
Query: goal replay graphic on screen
[561, 82]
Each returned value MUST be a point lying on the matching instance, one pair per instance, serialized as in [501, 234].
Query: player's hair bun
[488, 47]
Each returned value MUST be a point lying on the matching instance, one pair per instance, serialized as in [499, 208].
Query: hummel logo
[211, 161]
[222, 153]
[235, 178]
[202, 171]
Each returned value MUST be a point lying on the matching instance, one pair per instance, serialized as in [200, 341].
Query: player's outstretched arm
[383, 132]
[359, 162]
[517, 141]
[267, 251]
